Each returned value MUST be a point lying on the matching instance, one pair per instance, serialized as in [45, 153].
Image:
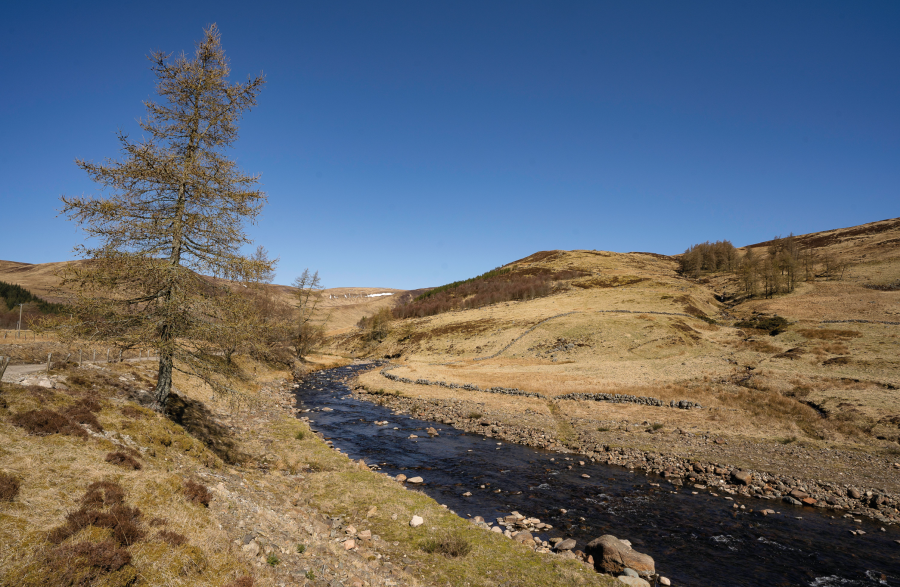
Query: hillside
[630, 324]
[341, 307]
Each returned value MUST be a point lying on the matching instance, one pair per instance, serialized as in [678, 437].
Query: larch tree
[173, 209]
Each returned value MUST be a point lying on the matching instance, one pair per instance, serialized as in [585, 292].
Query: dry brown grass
[97, 508]
[829, 334]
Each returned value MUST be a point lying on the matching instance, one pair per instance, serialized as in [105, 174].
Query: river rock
[415, 480]
[567, 544]
[432, 432]
[416, 521]
[664, 581]
[524, 536]
[854, 493]
[365, 535]
[798, 495]
[611, 555]
[401, 477]
[350, 544]
[630, 572]
[742, 477]
[633, 581]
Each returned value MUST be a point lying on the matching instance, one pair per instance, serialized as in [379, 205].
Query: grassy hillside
[341, 307]
[96, 489]
[631, 324]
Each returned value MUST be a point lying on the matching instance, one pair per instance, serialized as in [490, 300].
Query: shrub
[602, 429]
[774, 325]
[124, 521]
[9, 487]
[44, 422]
[197, 493]
[499, 285]
[123, 460]
[82, 414]
[171, 538]
[300, 435]
[83, 563]
[272, 560]
[450, 545]
[656, 426]
[103, 493]
[301, 548]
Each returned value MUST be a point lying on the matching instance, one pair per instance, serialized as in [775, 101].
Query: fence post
[120, 355]
[95, 356]
[48, 361]
[79, 356]
[4, 363]
[107, 355]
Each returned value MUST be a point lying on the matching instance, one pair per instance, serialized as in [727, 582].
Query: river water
[696, 540]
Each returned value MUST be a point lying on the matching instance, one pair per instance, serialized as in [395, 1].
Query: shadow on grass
[198, 421]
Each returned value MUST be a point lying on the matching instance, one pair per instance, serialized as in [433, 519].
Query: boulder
[741, 477]
[798, 494]
[432, 432]
[415, 480]
[416, 521]
[350, 544]
[401, 477]
[251, 548]
[611, 555]
[567, 544]
[854, 493]
[524, 536]
[633, 581]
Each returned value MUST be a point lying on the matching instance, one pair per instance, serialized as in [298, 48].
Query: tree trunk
[163, 383]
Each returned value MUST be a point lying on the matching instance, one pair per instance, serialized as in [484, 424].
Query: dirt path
[15, 373]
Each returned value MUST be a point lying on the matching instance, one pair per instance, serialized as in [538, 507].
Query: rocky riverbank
[850, 500]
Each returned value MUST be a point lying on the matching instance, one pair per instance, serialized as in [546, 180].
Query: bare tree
[310, 327]
[176, 210]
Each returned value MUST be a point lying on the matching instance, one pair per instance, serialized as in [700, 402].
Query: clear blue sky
[408, 144]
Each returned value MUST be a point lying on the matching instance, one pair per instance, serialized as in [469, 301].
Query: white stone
[416, 521]
[415, 480]
[664, 581]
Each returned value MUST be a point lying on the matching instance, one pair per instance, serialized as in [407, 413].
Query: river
[696, 540]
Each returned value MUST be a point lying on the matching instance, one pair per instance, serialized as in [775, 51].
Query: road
[15, 372]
